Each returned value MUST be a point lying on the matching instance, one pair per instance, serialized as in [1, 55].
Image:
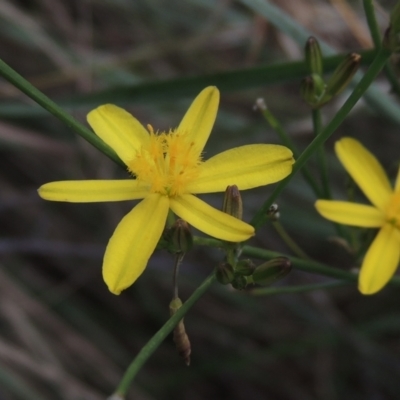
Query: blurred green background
[62, 334]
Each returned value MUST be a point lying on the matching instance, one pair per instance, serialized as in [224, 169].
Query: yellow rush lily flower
[168, 169]
[382, 258]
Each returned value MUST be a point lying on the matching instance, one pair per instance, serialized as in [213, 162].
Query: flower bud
[273, 212]
[271, 271]
[224, 273]
[179, 237]
[391, 39]
[239, 282]
[313, 56]
[233, 202]
[245, 267]
[180, 337]
[312, 89]
[342, 76]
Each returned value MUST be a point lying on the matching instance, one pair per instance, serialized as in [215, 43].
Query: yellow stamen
[168, 163]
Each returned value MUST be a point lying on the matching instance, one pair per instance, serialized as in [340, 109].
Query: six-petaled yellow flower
[382, 258]
[168, 170]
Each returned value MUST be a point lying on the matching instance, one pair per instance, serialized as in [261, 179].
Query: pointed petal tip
[115, 290]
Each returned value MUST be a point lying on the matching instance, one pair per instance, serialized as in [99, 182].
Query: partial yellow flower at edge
[382, 258]
[168, 169]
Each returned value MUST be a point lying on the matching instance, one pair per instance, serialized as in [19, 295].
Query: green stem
[158, 338]
[22, 84]
[381, 58]
[376, 38]
[297, 289]
[298, 263]
[289, 241]
[311, 266]
[178, 262]
[276, 125]
[317, 125]
[372, 23]
[308, 265]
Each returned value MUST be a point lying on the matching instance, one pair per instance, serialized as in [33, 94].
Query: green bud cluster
[240, 273]
[313, 88]
[245, 272]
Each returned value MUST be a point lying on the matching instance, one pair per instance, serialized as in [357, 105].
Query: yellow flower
[381, 260]
[168, 169]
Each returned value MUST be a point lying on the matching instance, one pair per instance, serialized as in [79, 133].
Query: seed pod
[181, 339]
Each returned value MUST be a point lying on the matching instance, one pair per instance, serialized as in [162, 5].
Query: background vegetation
[62, 334]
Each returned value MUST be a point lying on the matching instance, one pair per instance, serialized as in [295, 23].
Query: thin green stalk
[297, 289]
[296, 249]
[377, 39]
[287, 141]
[381, 58]
[308, 265]
[158, 338]
[298, 263]
[22, 84]
[372, 23]
[178, 262]
[317, 125]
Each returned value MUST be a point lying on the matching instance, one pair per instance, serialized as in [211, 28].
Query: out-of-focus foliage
[62, 334]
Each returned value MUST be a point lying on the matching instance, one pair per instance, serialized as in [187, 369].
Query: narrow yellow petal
[93, 191]
[366, 171]
[246, 167]
[119, 129]
[133, 242]
[210, 220]
[200, 117]
[381, 261]
[350, 214]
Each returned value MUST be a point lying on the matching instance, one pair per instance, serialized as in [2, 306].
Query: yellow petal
[350, 213]
[366, 171]
[119, 129]
[381, 261]
[397, 183]
[210, 220]
[93, 191]
[133, 242]
[246, 167]
[200, 117]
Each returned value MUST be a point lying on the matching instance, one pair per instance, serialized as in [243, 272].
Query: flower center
[393, 210]
[168, 163]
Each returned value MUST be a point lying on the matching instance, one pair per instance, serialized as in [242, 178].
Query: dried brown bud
[180, 337]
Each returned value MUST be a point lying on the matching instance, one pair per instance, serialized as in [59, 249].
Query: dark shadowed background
[62, 334]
